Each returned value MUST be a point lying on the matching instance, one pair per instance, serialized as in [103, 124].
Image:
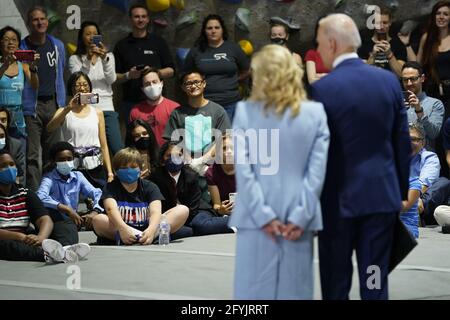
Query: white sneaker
[81, 250]
[54, 251]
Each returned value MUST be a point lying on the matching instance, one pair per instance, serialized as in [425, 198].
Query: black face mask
[142, 143]
[280, 41]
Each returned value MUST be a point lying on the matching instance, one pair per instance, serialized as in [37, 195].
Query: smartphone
[140, 67]
[232, 196]
[25, 55]
[381, 36]
[97, 39]
[89, 98]
[406, 95]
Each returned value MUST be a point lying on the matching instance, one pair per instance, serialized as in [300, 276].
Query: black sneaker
[446, 229]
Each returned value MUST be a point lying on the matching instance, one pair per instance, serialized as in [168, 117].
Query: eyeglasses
[82, 85]
[196, 83]
[416, 139]
[412, 79]
[13, 40]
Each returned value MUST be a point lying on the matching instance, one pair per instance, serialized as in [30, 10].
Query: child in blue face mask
[133, 205]
[60, 190]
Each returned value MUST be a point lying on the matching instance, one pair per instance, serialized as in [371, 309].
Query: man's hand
[32, 240]
[414, 101]
[292, 232]
[88, 219]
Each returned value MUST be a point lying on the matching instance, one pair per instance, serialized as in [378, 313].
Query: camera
[96, 39]
[25, 55]
[89, 98]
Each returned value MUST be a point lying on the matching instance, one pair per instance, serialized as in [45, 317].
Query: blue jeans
[205, 223]
[230, 109]
[112, 128]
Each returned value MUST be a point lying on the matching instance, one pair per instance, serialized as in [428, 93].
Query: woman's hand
[127, 235]
[34, 63]
[110, 177]
[147, 237]
[226, 207]
[404, 38]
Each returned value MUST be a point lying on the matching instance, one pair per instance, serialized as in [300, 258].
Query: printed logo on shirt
[152, 121]
[218, 57]
[51, 58]
[148, 52]
[17, 86]
[134, 214]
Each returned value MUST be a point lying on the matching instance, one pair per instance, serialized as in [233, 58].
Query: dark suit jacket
[188, 191]
[369, 154]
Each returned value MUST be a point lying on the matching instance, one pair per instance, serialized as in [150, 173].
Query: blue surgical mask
[2, 143]
[64, 167]
[173, 167]
[128, 175]
[8, 175]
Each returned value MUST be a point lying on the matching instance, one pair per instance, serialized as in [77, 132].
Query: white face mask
[2, 143]
[153, 92]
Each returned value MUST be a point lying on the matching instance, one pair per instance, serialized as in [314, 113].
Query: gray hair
[342, 28]
[418, 128]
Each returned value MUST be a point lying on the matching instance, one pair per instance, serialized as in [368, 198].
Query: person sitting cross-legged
[133, 205]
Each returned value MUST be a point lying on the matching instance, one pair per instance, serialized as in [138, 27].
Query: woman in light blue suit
[281, 147]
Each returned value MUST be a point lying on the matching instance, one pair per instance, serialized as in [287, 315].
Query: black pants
[65, 232]
[18, 251]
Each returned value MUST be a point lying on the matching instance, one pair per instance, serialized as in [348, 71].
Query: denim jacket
[29, 96]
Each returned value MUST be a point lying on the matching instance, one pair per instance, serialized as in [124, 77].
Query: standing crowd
[373, 146]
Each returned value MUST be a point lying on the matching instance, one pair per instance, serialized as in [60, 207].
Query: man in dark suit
[368, 163]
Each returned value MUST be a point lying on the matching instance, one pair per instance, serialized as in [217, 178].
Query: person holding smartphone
[382, 49]
[13, 74]
[83, 126]
[92, 57]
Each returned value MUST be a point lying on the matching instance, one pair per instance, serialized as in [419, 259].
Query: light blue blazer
[288, 186]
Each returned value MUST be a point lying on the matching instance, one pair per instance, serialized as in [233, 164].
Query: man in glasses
[201, 119]
[421, 109]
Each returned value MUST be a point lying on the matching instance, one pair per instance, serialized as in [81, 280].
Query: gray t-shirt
[198, 125]
[221, 67]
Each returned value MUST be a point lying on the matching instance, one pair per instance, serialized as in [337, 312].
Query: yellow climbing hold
[246, 46]
[158, 5]
[71, 48]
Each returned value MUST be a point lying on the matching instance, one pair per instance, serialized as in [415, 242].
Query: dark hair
[6, 151]
[58, 147]
[413, 65]
[73, 78]
[4, 30]
[153, 147]
[431, 46]
[54, 149]
[8, 115]
[135, 6]
[385, 11]
[147, 71]
[202, 40]
[6, 136]
[81, 47]
[33, 9]
[185, 73]
[166, 147]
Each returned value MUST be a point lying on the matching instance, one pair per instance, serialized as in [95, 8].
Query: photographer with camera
[138, 51]
[93, 58]
[83, 126]
[382, 49]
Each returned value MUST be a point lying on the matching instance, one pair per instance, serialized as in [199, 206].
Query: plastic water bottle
[164, 232]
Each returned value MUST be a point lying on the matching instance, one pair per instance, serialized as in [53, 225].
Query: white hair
[343, 29]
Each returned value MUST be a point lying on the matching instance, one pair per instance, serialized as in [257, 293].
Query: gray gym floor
[198, 268]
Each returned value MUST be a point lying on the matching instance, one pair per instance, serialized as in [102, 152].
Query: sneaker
[53, 250]
[243, 19]
[446, 229]
[80, 250]
[290, 23]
